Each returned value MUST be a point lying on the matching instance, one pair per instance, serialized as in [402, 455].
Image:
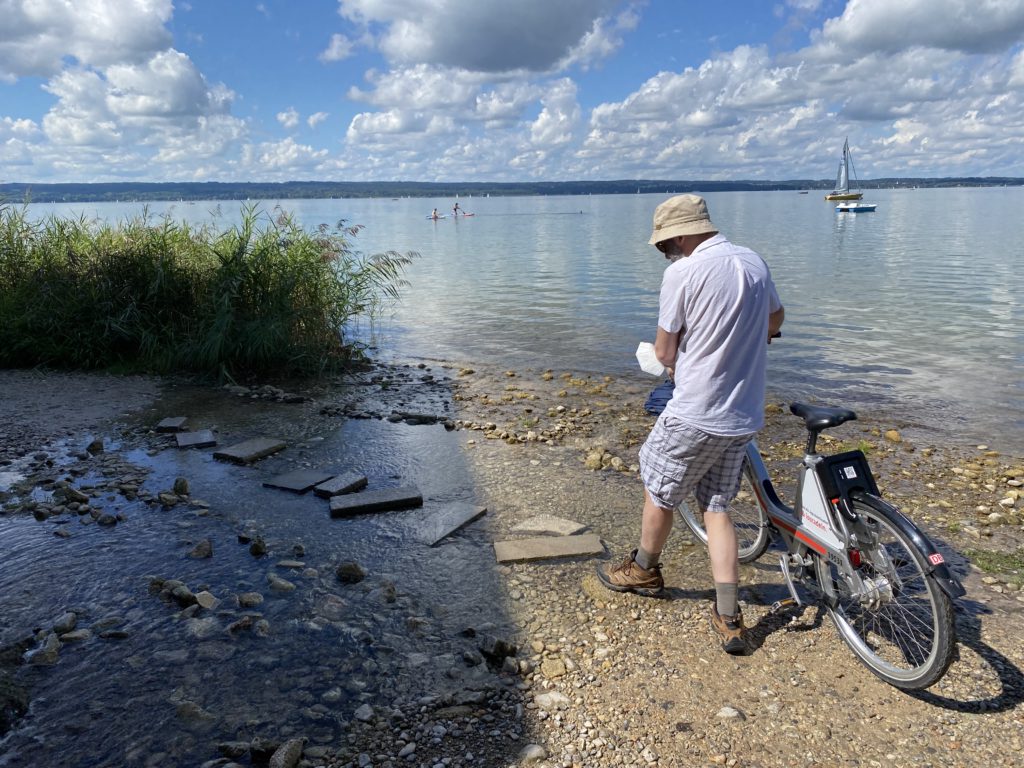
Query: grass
[997, 562]
[264, 297]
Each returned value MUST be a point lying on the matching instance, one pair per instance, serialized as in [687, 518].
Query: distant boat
[855, 206]
[844, 189]
[802, 192]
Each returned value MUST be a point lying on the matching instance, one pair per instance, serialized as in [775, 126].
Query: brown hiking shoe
[630, 577]
[731, 630]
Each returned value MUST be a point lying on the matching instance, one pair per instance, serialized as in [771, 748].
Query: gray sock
[645, 559]
[726, 598]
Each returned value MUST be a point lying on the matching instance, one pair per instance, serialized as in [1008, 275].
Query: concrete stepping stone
[202, 439]
[346, 482]
[375, 501]
[172, 424]
[549, 525]
[443, 524]
[250, 450]
[297, 481]
[547, 548]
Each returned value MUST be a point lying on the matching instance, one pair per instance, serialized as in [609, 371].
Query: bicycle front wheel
[900, 625]
[749, 520]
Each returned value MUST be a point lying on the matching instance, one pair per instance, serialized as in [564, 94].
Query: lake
[914, 309]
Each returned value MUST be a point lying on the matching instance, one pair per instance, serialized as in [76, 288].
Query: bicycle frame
[818, 528]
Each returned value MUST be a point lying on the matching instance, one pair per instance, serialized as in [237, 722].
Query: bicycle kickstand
[794, 598]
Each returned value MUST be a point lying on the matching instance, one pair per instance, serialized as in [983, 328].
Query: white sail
[843, 176]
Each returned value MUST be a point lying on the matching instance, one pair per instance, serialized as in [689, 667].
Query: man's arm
[666, 346]
[775, 320]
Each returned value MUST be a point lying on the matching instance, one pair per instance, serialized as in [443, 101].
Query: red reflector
[855, 558]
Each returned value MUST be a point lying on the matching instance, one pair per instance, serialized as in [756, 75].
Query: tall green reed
[265, 296]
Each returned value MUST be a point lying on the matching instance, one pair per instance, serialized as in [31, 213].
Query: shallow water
[174, 687]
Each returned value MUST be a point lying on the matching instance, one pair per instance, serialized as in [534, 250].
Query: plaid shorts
[678, 459]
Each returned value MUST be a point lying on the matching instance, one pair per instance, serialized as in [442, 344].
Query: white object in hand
[648, 360]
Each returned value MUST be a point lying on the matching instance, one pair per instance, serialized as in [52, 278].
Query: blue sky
[509, 90]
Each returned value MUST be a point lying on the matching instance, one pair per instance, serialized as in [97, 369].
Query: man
[718, 308]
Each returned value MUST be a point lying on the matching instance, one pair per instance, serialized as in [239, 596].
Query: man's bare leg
[722, 547]
[655, 526]
[724, 552]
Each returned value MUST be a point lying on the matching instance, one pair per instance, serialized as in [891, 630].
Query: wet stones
[172, 590]
[346, 482]
[249, 599]
[279, 584]
[376, 501]
[249, 451]
[202, 550]
[264, 392]
[172, 424]
[65, 623]
[47, 653]
[350, 572]
[202, 439]
[299, 480]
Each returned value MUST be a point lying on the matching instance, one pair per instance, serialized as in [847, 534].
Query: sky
[508, 90]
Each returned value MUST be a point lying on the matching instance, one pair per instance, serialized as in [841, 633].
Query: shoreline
[526, 437]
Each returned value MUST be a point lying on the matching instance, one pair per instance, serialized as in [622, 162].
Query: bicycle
[886, 587]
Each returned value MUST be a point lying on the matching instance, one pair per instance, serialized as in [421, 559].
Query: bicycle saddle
[819, 417]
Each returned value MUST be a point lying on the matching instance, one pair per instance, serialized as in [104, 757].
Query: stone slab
[549, 525]
[172, 424]
[547, 547]
[346, 482]
[375, 501]
[250, 450]
[297, 481]
[202, 439]
[448, 520]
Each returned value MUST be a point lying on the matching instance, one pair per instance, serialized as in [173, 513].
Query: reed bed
[263, 297]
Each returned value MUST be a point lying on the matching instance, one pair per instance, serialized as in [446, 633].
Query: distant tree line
[212, 190]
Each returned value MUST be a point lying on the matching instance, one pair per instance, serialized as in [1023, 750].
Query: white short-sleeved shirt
[719, 298]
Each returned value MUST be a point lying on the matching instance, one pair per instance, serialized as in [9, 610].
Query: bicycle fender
[937, 568]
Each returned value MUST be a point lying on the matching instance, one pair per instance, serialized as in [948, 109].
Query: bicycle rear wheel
[749, 520]
[901, 626]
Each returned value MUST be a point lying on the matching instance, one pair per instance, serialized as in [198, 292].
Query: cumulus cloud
[419, 87]
[340, 47]
[603, 40]
[969, 26]
[532, 35]
[558, 119]
[316, 118]
[36, 35]
[289, 118]
[286, 155]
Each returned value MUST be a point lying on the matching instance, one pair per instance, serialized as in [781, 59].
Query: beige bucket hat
[681, 215]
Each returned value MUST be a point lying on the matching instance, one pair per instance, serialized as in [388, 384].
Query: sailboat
[843, 190]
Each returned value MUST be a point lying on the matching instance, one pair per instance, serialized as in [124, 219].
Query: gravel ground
[601, 679]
